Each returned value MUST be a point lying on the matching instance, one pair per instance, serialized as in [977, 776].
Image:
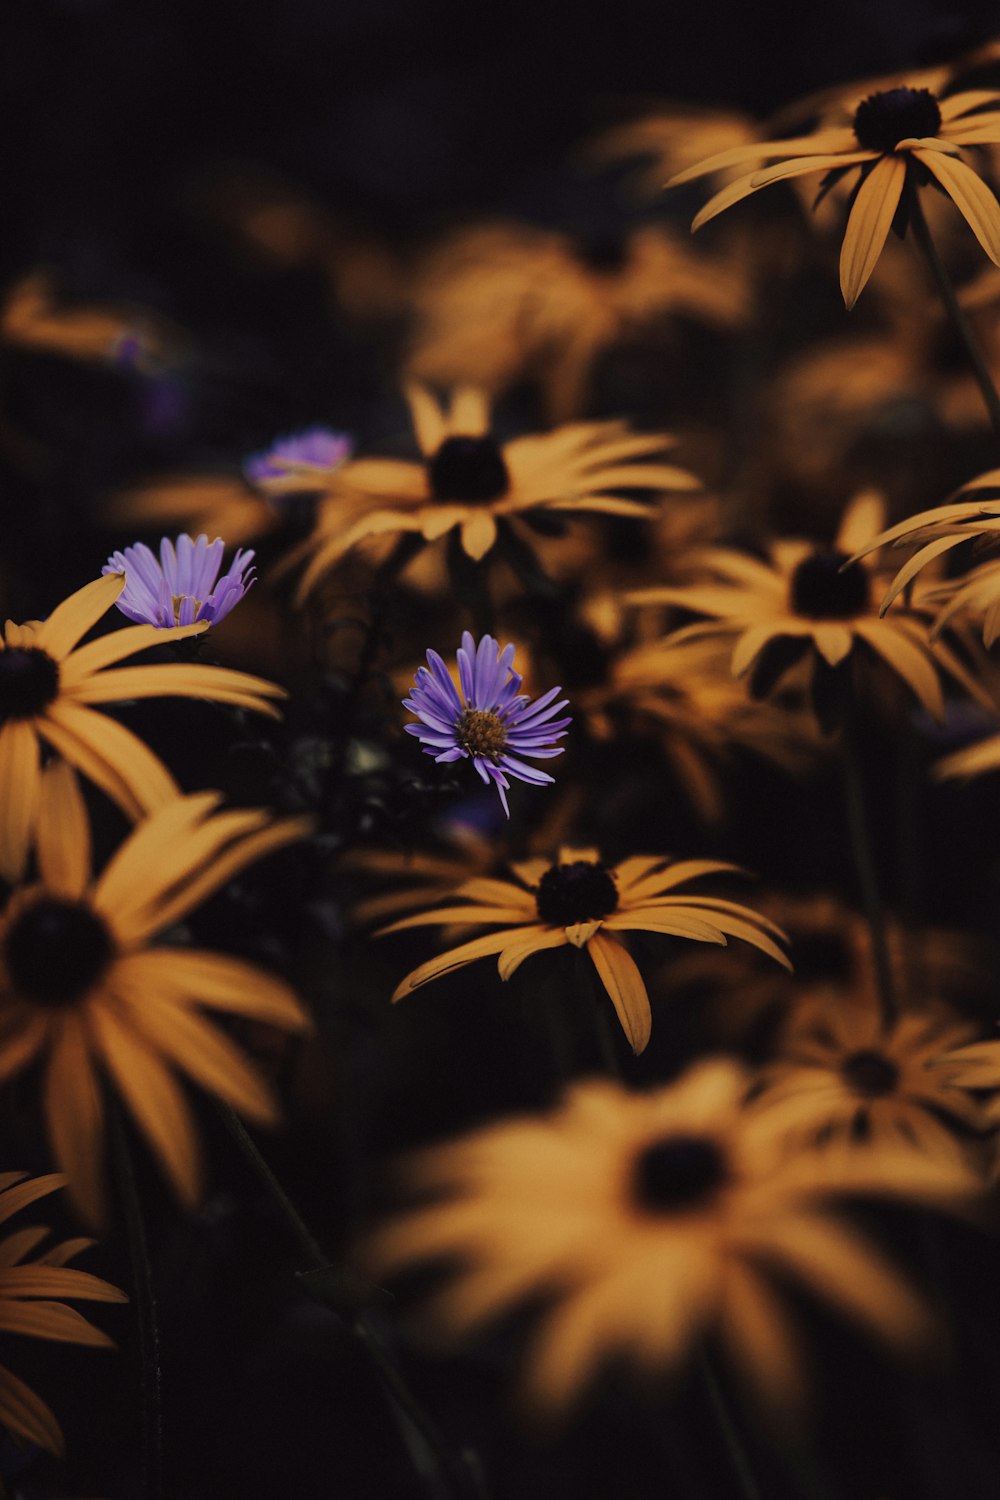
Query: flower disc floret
[55, 951]
[870, 1073]
[184, 586]
[583, 891]
[29, 682]
[679, 1173]
[488, 721]
[821, 591]
[884, 119]
[468, 468]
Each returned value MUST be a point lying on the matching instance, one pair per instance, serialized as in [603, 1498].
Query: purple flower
[299, 456]
[488, 721]
[184, 586]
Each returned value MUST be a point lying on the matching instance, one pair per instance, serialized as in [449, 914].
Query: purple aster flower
[184, 586]
[488, 720]
[299, 456]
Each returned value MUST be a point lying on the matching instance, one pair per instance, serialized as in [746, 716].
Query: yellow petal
[109, 755]
[479, 534]
[73, 618]
[624, 983]
[178, 679]
[869, 223]
[74, 1112]
[63, 832]
[20, 781]
[971, 197]
[117, 644]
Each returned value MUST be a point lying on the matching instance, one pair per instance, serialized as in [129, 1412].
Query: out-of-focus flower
[303, 460]
[474, 486]
[975, 1067]
[32, 317]
[673, 137]
[488, 722]
[83, 989]
[28, 1289]
[184, 586]
[877, 1085]
[895, 135]
[647, 1221]
[496, 303]
[582, 902]
[47, 686]
[681, 694]
[806, 599]
[418, 875]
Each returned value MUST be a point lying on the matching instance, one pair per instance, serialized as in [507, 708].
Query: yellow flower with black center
[83, 989]
[28, 1289]
[48, 684]
[646, 1221]
[806, 601]
[581, 902]
[896, 137]
[879, 1085]
[472, 485]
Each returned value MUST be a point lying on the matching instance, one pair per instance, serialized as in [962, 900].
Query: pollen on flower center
[29, 682]
[678, 1173]
[870, 1073]
[883, 120]
[481, 733]
[468, 468]
[55, 950]
[582, 891]
[820, 591]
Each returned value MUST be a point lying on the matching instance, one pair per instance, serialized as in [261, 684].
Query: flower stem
[864, 863]
[146, 1326]
[749, 1488]
[922, 235]
[444, 1475]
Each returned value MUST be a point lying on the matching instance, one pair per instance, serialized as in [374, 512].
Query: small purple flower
[299, 456]
[184, 586]
[488, 720]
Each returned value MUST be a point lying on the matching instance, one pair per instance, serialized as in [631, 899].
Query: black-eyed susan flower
[895, 136]
[84, 990]
[472, 485]
[879, 1085]
[49, 685]
[581, 902]
[487, 721]
[184, 586]
[805, 601]
[29, 1293]
[647, 1221]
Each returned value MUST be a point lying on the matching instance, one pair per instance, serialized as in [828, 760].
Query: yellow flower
[581, 902]
[875, 1085]
[472, 485]
[805, 599]
[895, 135]
[82, 988]
[649, 1220]
[47, 686]
[27, 1306]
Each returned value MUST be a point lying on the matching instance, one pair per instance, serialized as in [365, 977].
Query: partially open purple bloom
[488, 721]
[299, 456]
[184, 585]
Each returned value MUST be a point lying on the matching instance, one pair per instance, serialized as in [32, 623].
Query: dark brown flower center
[468, 468]
[678, 1173]
[579, 892]
[481, 733]
[884, 119]
[29, 682]
[870, 1073]
[55, 950]
[820, 591]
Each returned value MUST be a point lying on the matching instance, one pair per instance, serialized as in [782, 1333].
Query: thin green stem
[864, 863]
[943, 282]
[444, 1474]
[738, 1458]
[144, 1306]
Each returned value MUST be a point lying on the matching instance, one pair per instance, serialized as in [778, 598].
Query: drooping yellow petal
[971, 197]
[907, 661]
[193, 976]
[479, 533]
[74, 1113]
[466, 953]
[869, 223]
[623, 982]
[14, 1198]
[74, 616]
[26, 1416]
[43, 1280]
[20, 781]
[63, 832]
[109, 755]
[512, 957]
[50, 1320]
